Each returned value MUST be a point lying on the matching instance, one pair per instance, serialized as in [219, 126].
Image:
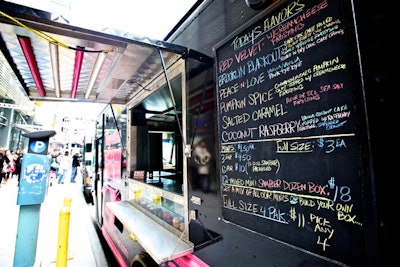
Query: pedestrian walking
[9, 159]
[18, 164]
[65, 165]
[75, 165]
[3, 166]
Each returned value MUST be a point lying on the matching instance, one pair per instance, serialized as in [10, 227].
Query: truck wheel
[143, 259]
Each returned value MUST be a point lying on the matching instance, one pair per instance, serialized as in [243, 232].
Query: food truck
[255, 155]
[243, 139]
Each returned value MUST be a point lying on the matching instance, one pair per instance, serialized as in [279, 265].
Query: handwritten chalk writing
[226, 168]
[232, 104]
[253, 81]
[249, 191]
[325, 204]
[248, 182]
[236, 181]
[330, 125]
[319, 220]
[283, 196]
[225, 64]
[306, 127]
[273, 213]
[263, 61]
[269, 183]
[234, 120]
[325, 64]
[225, 157]
[250, 52]
[303, 43]
[242, 156]
[328, 87]
[269, 22]
[344, 192]
[245, 147]
[228, 202]
[283, 35]
[276, 110]
[323, 243]
[241, 168]
[319, 189]
[231, 76]
[225, 188]
[258, 98]
[303, 97]
[311, 37]
[247, 38]
[248, 206]
[306, 97]
[266, 165]
[340, 108]
[284, 67]
[322, 226]
[344, 207]
[329, 34]
[336, 116]
[291, 186]
[228, 91]
[277, 129]
[329, 69]
[228, 148]
[348, 218]
[238, 190]
[288, 91]
[277, 197]
[323, 112]
[294, 146]
[292, 81]
[311, 121]
[293, 216]
[284, 14]
[258, 168]
[325, 23]
[306, 202]
[330, 26]
[331, 144]
[238, 135]
[342, 210]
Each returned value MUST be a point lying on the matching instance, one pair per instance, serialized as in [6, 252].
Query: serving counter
[154, 213]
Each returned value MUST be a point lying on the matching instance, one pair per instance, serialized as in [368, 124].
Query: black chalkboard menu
[290, 119]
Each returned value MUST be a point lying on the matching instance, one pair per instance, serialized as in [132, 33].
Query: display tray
[159, 242]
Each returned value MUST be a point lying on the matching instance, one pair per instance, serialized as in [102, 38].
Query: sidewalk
[84, 247]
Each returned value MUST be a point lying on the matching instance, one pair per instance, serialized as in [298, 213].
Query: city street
[84, 248]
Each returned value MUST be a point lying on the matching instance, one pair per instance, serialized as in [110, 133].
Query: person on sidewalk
[9, 159]
[65, 164]
[75, 165]
[3, 170]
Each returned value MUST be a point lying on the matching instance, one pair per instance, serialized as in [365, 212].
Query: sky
[148, 18]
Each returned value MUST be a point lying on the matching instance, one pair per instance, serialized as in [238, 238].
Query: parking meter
[33, 186]
[35, 170]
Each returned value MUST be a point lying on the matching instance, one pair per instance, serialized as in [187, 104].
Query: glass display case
[155, 213]
[162, 200]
